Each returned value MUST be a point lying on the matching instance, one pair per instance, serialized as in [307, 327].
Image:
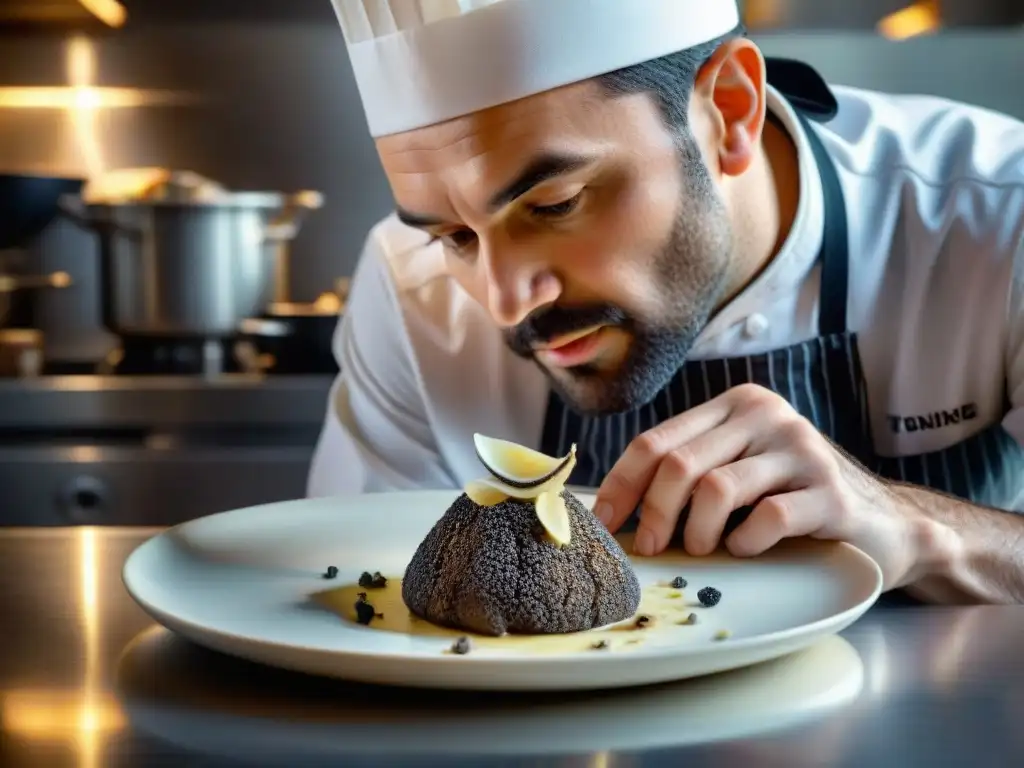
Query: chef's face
[595, 235]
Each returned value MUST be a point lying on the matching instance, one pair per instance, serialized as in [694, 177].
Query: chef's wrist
[937, 550]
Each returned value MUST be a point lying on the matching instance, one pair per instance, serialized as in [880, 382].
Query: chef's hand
[749, 447]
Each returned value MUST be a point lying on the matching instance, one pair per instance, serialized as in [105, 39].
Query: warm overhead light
[110, 12]
[921, 18]
[62, 97]
[758, 14]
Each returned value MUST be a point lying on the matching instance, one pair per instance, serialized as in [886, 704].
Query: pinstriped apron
[821, 378]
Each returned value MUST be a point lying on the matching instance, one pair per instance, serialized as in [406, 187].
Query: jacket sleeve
[1013, 422]
[376, 435]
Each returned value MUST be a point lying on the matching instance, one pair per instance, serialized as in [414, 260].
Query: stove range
[173, 356]
[164, 438]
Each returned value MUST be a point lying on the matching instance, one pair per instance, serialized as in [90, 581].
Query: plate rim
[843, 618]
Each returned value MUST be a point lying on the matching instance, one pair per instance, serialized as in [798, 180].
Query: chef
[760, 306]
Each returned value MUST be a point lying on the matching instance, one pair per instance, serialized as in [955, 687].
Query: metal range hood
[92, 15]
[44, 15]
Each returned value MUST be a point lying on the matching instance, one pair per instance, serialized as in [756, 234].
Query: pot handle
[11, 283]
[74, 211]
[72, 207]
[286, 224]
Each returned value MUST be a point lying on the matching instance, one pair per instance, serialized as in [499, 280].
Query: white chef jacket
[934, 193]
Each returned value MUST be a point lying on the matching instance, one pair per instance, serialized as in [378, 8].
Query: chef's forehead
[573, 119]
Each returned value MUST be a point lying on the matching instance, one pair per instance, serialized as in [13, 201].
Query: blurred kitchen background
[164, 347]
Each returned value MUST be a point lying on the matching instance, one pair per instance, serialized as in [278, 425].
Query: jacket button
[755, 326]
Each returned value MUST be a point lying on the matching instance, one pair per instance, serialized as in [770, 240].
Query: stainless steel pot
[172, 267]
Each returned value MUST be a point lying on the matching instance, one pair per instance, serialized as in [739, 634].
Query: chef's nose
[517, 285]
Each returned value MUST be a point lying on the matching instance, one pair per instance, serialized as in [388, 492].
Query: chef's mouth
[573, 350]
[566, 339]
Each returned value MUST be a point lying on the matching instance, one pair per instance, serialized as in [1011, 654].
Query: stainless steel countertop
[85, 680]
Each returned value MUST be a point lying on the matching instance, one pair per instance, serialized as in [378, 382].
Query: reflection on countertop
[87, 680]
[210, 704]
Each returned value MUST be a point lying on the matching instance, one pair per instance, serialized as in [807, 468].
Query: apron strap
[812, 99]
[835, 243]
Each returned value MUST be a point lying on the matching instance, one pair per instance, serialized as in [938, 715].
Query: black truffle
[493, 570]
[372, 581]
[709, 597]
[365, 612]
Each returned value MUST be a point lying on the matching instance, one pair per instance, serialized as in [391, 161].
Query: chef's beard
[691, 269]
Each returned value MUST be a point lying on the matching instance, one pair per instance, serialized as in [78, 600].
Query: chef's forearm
[966, 553]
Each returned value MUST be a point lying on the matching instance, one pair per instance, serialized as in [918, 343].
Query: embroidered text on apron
[821, 378]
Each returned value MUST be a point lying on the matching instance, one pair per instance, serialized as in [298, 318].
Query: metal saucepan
[190, 260]
[11, 283]
[27, 206]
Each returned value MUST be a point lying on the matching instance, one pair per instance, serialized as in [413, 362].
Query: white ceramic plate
[175, 691]
[240, 582]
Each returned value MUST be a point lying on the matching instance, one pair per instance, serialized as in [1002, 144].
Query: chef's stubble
[691, 268]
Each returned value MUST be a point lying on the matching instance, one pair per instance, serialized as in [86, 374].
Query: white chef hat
[421, 62]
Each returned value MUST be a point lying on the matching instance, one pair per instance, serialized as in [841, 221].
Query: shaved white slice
[554, 516]
[497, 487]
[516, 465]
[480, 492]
[555, 483]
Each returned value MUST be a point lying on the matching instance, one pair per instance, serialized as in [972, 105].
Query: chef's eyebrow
[542, 168]
[418, 220]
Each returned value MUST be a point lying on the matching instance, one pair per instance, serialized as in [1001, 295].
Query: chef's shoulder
[932, 182]
[465, 375]
[941, 142]
[414, 264]
[432, 307]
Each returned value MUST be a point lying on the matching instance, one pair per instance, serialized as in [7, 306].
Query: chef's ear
[731, 89]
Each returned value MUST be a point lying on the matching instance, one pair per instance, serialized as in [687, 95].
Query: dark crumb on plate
[365, 612]
[709, 597]
[690, 620]
[372, 581]
[461, 646]
[332, 572]
[722, 634]
[642, 621]
[600, 645]
[678, 583]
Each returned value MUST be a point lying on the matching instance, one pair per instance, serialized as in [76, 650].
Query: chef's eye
[558, 210]
[459, 240]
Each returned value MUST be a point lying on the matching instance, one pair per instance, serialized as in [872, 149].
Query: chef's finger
[625, 485]
[679, 473]
[728, 488]
[784, 516]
